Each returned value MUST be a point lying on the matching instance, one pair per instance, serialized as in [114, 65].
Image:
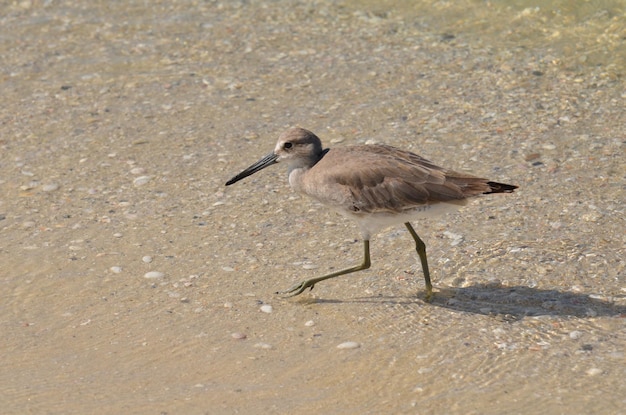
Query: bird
[376, 185]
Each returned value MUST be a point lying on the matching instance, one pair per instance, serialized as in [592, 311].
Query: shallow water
[121, 124]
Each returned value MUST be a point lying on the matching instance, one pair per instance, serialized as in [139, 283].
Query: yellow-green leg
[420, 247]
[300, 287]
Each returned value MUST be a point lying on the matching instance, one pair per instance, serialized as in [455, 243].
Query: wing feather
[385, 179]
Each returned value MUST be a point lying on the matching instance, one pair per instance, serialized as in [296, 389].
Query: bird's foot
[428, 297]
[298, 288]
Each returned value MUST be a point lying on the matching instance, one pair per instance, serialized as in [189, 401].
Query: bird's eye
[287, 145]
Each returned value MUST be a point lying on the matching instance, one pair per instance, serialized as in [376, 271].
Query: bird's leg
[420, 247]
[300, 287]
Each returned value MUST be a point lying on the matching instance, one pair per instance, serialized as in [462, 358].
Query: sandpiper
[376, 185]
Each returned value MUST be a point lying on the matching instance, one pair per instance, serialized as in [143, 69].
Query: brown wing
[381, 178]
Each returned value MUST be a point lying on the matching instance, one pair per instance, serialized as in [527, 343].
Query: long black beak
[259, 165]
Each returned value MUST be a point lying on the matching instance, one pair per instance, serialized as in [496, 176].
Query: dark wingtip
[495, 187]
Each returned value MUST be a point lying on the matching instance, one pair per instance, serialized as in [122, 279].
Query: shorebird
[375, 185]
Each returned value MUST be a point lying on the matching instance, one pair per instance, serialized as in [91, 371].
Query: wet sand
[133, 281]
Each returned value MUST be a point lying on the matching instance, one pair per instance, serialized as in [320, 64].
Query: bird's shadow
[512, 303]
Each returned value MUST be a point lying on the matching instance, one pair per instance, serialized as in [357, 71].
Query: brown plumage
[376, 185]
[383, 178]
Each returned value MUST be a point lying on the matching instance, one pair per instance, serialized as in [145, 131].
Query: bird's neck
[296, 174]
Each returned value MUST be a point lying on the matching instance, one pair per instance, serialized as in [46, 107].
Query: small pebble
[574, 335]
[591, 217]
[141, 180]
[263, 346]
[228, 269]
[456, 238]
[555, 225]
[228, 304]
[147, 259]
[309, 323]
[116, 270]
[238, 336]
[348, 345]
[594, 371]
[50, 187]
[138, 170]
[266, 308]
[117, 235]
[154, 274]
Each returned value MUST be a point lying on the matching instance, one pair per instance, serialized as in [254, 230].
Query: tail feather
[495, 187]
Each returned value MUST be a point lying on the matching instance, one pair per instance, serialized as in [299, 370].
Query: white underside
[371, 223]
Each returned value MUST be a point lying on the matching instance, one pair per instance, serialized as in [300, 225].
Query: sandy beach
[134, 281]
